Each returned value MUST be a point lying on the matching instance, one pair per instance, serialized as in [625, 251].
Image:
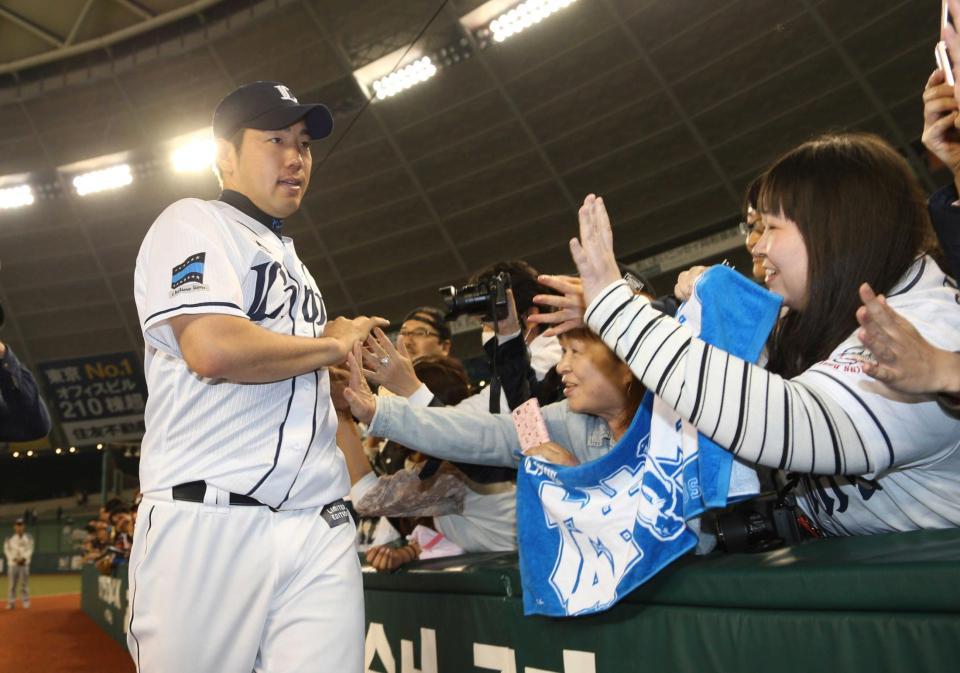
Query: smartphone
[940, 52]
[531, 428]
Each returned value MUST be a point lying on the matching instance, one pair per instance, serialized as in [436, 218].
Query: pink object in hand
[531, 428]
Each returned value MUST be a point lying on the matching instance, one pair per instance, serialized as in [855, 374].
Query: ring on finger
[384, 361]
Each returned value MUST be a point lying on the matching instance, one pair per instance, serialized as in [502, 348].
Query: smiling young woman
[839, 211]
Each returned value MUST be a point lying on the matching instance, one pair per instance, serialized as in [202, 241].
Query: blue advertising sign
[99, 398]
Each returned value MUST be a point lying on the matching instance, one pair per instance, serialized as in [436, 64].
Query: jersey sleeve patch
[189, 271]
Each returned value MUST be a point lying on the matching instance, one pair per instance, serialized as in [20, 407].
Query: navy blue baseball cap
[268, 106]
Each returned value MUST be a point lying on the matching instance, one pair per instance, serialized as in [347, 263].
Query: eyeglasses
[418, 333]
[751, 224]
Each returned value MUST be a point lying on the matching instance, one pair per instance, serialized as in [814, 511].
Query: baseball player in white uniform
[18, 548]
[243, 556]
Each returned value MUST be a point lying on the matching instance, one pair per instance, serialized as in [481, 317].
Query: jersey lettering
[591, 565]
[268, 274]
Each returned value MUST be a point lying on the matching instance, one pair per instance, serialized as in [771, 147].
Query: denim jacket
[484, 439]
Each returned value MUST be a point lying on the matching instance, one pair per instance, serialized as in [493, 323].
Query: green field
[48, 585]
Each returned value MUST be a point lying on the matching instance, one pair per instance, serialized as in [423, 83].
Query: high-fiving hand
[905, 361]
[593, 252]
[389, 366]
[363, 403]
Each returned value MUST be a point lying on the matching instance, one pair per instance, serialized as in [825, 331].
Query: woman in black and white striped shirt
[839, 211]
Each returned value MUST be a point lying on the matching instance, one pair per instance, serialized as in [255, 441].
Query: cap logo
[286, 94]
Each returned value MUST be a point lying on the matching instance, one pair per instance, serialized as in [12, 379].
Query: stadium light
[73, 449]
[103, 179]
[99, 447]
[194, 152]
[16, 454]
[523, 16]
[16, 197]
[419, 71]
[29, 453]
[58, 451]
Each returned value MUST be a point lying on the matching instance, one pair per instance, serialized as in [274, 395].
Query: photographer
[520, 354]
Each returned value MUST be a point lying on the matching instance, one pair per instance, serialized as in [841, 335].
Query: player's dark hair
[863, 218]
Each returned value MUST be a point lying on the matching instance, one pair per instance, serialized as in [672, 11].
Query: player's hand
[593, 251]
[569, 305]
[350, 331]
[553, 453]
[389, 366]
[363, 403]
[905, 361]
[387, 559]
[339, 380]
[683, 290]
[940, 134]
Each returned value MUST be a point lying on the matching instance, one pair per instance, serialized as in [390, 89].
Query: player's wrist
[948, 370]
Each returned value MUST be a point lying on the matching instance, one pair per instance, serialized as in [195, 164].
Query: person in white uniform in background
[18, 548]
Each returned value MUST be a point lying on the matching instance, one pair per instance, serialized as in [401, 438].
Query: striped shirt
[275, 442]
[889, 461]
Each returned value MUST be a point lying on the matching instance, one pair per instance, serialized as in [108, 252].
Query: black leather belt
[195, 490]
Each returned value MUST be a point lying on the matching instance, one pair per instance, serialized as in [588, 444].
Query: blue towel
[590, 534]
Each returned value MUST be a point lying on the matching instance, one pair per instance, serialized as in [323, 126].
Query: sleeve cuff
[504, 338]
[363, 486]
[607, 304]
[222, 307]
[421, 397]
[380, 423]
[945, 197]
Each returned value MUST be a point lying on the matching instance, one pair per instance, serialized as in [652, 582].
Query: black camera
[486, 298]
[760, 525]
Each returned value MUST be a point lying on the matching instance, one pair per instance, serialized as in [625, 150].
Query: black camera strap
[494, 372]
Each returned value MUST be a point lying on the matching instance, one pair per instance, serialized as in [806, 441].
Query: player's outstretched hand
[350, 331]
[593, 252]
[568, 307]
[389, 366]
[683, 290]
[905, 361]
[387, 559]
[363, 403]
[940, 134]
[553, 453]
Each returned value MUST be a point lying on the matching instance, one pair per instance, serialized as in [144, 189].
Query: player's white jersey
[275, 442]
[17, 547]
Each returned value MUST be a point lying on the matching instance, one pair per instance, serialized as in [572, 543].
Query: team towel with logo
[591, 533]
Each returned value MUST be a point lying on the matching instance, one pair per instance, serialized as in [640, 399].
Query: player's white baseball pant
[19, 575]
[235, 589]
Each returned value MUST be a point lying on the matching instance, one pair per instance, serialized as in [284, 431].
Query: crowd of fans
[857, 396]
[109, 536]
